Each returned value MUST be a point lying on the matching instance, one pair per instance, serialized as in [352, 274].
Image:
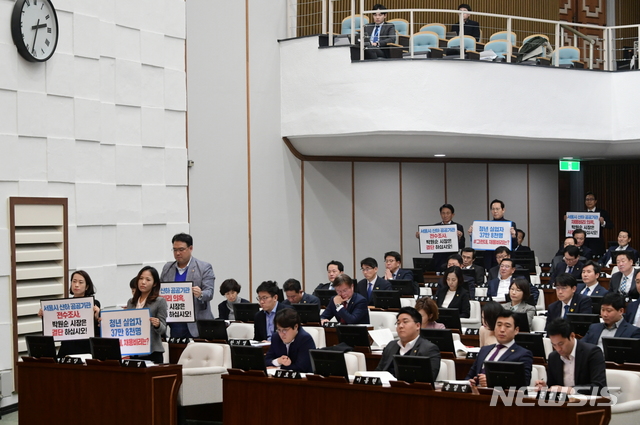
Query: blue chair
[499, 47]
[502, 35]
[346, 24]
[566, 56]
[439, 29]
[402, 25]
[469, 43]
[424, 41]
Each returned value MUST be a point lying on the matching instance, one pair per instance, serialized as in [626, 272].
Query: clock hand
[35, 27]
[35, 36]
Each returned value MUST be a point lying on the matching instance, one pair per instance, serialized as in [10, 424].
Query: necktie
[566, 310]
[344, 304]
[569, 269]
[585, 291]
[623, 285]
[376, 32]
[494, 355]
[369, 289]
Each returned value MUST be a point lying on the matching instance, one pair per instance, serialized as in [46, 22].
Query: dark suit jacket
[630, 313]
[387, 33]
[459, 301]
[439, 260]
[260, 323]
[616, 279]
[356, 311]
[380, 284]
[306, 299]
[514, 354]
[598, 290]
[597, 244]
[522, 248]
[579, 304]
[625, 330]
[479, 274]
[422, 347]
[471, 28]
[589, 372]
[607, 256]
[223, 309]
[298, 351]
[561, 267]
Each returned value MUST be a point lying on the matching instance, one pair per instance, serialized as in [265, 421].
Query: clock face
[34, 27]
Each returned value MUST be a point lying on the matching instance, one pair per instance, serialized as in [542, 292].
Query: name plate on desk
[178, 340]
[484, 299]
[244, 342]
[454, 387]
[558, 396]
[471, 355]
[546, 286]
[431, 285]
[472, 331]
[330, 324]
[545, 274]
[69, 360]
[367, 380]
[287, 374]
[134, 363]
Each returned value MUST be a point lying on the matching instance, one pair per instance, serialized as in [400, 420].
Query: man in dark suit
[568, 300]
[501, 253]
[506, 350]
[520, 235]
[471, 28]
[590, 275]
[624, 239]
[571, 264]
[500, 286]
[559, 257]
[293, 291]
[612, 313]
[410, 343]
[263, 322]
[468, 255]
[290, 344]
[631, 315]
[597, 245]
[447, 212]
[497, 212]
[378, 34]
[393, 270]
[580, 237]
[348, 307]
[623, 280]
[371, 281]
[334, 269]
[586, 363]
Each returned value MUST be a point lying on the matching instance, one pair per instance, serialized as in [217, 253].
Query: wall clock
[34, 28]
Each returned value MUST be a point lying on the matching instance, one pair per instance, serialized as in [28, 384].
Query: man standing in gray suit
[187, 268]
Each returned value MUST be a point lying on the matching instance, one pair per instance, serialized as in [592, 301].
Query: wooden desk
[247, 398]
[53, 394]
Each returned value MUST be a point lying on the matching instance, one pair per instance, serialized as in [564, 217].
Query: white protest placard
[68, 318]
[587, 221]
[440, 238]
[132, 327]
[488, 235]
[179, 301]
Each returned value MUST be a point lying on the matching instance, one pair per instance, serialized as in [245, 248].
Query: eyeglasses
[283, 331]
[405, 322]
[262, 298]
[179, 250]
[366, 269]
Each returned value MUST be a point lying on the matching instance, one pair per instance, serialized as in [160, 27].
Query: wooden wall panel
[583, 11]
[615, 183]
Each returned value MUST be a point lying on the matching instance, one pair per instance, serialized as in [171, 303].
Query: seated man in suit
[559, 257]
[263, 322]
[571, 264]
[624, 239]
[499, 287]
[371, 281]
[622, 280]
[393, 262]
[502, 252]
[409, 342]
[468, 255]
[568, 300]
[348, 307]
[632, 315]
[471, 28]
[590, 275]
[520, 235]
[612, 313]
[575, 366]
[334, 269]
[505, 350]
[581, 236]
[378, 34]
[293, 291]
[290, 344]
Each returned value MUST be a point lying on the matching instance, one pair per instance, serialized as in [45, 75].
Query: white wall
[102, 123]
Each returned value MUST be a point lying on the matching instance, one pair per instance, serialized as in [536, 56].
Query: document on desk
[462, 350]
[381, 337]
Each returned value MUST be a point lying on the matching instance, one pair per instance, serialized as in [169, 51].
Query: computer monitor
[418, 275]
[443, 338]
[404, 286]
[105, 348]
[524, 273]
[309, 313]
[247, 358]
[526, 259]
[522, 322]
[212, 330]
[621, 350]
[386, 299]
[580, 322]
[424, 264]
[328, 363]
[40, 346]
[532, 342]
[413, 369]
[505, 374]
[449, 317]
[596, 303]
[353, 335]
[245, 312]
[325, 295]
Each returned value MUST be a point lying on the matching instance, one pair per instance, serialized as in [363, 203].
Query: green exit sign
[569, 165]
